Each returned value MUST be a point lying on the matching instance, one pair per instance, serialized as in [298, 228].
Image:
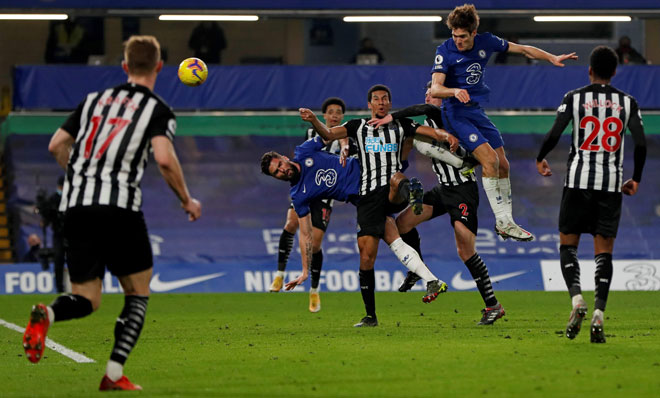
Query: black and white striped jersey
[379, 150]
[447, 174]
[600, 114]
[113, 131]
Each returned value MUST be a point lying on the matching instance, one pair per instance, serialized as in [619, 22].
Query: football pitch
[251, 344]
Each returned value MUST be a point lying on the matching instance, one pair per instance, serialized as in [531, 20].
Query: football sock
[404, 190]
[114, 370]
[577, 299]
[314, 290]
[128, 327]
[286, 244]
[317, 264]
[411, 260]
[479, 273]
[504, 185]
[494, 197]
[603, 277]
[413, 240]
[598, 314]
[70, 306]
[367, 288]
[570, 268]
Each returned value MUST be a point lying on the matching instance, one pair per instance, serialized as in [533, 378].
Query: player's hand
[630, 187]
[376, 122]
[462, 95]
[558, 60]
[307, 115]
[193, 208]
[452, 141]
[343, 155]
[298, 281]
[543, 168]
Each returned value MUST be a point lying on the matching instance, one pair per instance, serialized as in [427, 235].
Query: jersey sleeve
[72, 123]
[352, 127]
[440, 62]
[636, 127]
[564, 116]
[495, 43]
[409, 127]
[311, 145]
[163, 122]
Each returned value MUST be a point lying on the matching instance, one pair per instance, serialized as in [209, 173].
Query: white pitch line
[80, 358]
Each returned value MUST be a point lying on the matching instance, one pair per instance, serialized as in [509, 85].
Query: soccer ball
[193, 72]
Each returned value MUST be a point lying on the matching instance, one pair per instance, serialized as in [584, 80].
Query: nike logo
[159, 286]
[304, 188]
[459, 283]
[459, 60]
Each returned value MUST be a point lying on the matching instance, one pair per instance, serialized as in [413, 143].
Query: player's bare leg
[127, 329]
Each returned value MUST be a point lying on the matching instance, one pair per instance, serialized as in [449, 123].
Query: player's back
[600, 114]
[113, 130]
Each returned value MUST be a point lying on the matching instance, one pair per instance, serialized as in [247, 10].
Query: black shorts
[460, 201]
[590, 211]
[372, 210]
[100, 237]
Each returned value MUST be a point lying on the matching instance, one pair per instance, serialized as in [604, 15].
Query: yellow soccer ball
[193, 72]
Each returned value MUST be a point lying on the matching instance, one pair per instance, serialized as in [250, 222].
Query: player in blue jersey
[315, 174]
[458, 71]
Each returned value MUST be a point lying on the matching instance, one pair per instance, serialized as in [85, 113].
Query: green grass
[240, 345]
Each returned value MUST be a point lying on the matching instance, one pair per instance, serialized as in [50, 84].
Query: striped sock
[286, 244]
[317, 264]
[479, 273]
[128, 327]
[604, 270]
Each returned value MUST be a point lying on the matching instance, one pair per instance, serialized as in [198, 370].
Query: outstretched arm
[170, 168]
[536, 53]
[438, 89]
[440, 135]
[305, 235]
[326, 133]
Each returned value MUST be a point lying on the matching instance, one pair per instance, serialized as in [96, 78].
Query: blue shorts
[471, 126]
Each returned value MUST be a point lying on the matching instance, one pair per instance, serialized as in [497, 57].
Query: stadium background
[270, 68]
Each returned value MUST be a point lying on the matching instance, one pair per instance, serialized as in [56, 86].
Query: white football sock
[425, 146]
[577, 299]
[280, 274]
[504, 184]
[51, 314]
[598, 314]
[491, 187]
[314, 289]
[114, 370]
[411, 260]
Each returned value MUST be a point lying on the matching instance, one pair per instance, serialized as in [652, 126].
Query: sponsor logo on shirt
[376, 144]
[327, 177]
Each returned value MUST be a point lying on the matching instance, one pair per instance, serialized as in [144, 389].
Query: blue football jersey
[465, 69]
[322, 176]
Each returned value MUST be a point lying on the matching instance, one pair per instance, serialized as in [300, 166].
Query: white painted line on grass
[80, 358]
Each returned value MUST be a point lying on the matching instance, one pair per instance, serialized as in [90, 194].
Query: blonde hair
[142, 54]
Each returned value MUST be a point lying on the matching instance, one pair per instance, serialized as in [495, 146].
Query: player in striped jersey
[458, 70]
[380, 153]
[591, 201]
[104, 146]
[456, 194]
[333, 110]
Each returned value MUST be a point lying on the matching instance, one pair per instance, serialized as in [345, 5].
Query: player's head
[380, 100]
[603, 62]
[428, 99]
[142, 56]
[333, 110]
[275, 165]
[463, 22]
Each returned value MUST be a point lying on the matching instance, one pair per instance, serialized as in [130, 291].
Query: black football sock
[367, 288]
[603, 277]
[479, 273]
[570, 268]
[286, 244]
[128, 327]
[404, 190]
[317, 264]
[413, 240]
[71, 306]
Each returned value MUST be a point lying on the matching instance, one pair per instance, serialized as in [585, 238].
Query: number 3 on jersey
[612, 126]
[118, 124]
